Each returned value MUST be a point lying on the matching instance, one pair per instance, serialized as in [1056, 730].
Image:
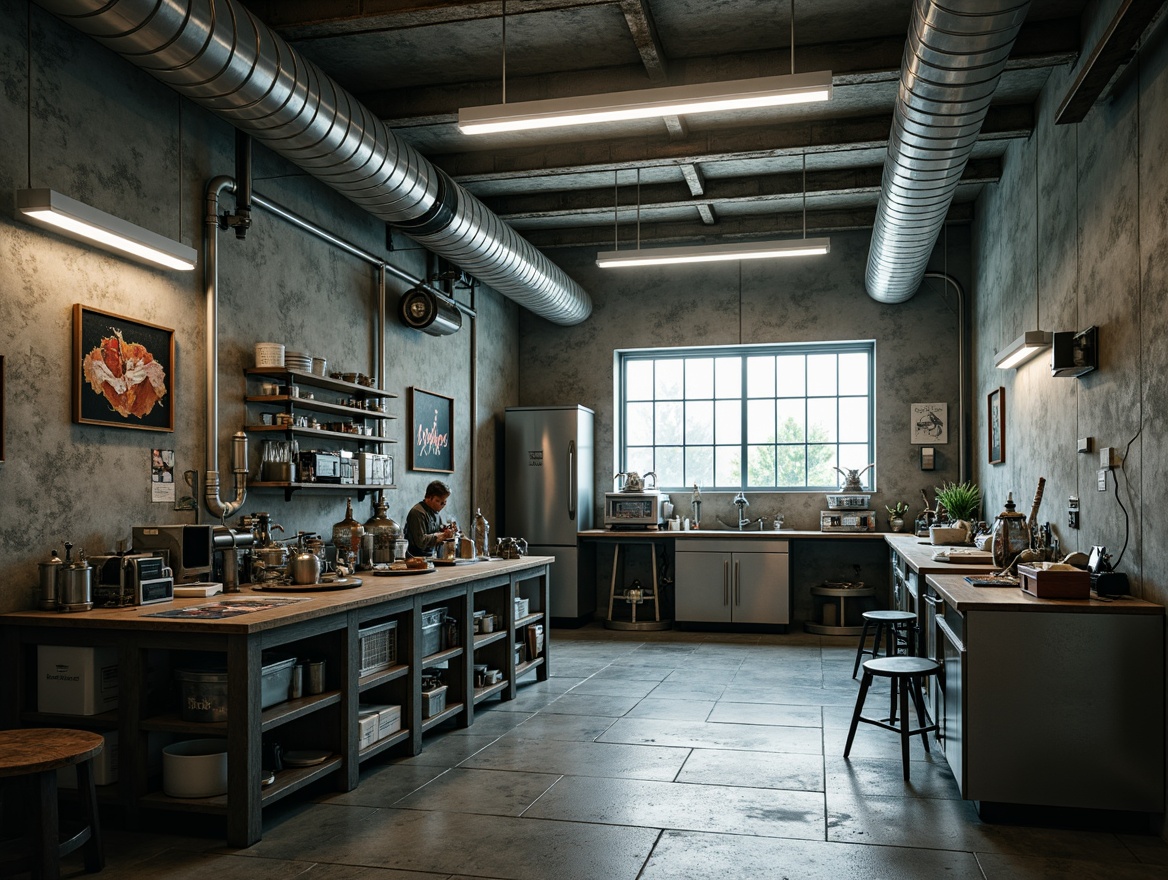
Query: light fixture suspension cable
[804, 194]
[504, 51]
[638, 208]
[615, 208]
[793, 42]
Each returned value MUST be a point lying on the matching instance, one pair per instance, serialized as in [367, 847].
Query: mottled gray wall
[812, 299]
[1074, 235]
[107, 134]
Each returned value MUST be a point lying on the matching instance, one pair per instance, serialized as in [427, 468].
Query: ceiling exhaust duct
[955, 53]
[218, 55]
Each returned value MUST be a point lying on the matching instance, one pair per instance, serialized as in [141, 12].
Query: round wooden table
[35, 754]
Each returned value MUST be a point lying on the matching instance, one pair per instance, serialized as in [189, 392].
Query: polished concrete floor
[653, 756]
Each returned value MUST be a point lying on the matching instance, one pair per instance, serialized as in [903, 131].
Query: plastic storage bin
[204, 691]
[432, 630]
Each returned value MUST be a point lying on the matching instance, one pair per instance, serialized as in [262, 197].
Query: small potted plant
[961, 502]
[896, 515]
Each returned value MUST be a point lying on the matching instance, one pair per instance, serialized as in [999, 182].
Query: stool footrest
[896, 728]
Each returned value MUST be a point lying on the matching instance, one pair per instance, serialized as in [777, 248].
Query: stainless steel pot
[75, 587]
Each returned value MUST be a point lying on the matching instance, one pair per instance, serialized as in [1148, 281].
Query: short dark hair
[437, 489]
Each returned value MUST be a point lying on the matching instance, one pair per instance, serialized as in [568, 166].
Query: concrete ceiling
[709, 177]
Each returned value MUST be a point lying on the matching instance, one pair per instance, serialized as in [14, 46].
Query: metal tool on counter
[267, 558]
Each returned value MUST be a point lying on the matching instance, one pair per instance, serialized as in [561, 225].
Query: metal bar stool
[906, 674]
[36, 753]
[889, 624]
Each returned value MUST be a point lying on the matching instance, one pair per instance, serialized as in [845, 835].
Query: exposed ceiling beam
[771, 188]
[644, 31]
[692, 175]
[828, 136]
[738, 229]
[302, 20]
[1041, 45]
[706, 212]
[1108, 57]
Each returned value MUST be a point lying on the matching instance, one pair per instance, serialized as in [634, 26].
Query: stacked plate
[298, 360]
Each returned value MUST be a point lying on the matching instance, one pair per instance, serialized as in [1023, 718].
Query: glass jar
[1011, 535]
[347, 535]
[384, 531]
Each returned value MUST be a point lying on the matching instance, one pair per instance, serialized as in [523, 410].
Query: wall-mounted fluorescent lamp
[50, 209]
[766, 91]
[1022, 349]
[759, 250]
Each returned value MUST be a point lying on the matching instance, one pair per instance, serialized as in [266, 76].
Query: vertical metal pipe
[962, 374]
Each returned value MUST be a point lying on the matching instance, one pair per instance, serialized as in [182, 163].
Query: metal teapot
[634, 482]
[304, 565]
[510, 548]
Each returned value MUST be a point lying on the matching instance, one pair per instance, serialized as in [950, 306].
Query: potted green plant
[961, 502]
[896, 515]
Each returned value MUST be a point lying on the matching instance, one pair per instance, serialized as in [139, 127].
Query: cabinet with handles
[736, 581]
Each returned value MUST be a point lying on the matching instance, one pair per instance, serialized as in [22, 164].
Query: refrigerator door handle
[573, 478]
[726, 582]
[737, 585]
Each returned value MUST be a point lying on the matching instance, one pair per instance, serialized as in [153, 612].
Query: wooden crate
[1055, 584]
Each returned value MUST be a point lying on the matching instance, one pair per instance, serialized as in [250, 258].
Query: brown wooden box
[1055, 584]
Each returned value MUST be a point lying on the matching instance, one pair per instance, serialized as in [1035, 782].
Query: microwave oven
[632, 510]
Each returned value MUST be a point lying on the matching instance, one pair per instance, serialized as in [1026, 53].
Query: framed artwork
[431, 432]
[123, 371]
[929, 423]
[996, 419]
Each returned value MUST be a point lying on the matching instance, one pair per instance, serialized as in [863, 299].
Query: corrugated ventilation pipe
[217, 54]
[955, 53]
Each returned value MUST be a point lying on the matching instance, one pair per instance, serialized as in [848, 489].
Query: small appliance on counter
[131, 579]
[635, 506]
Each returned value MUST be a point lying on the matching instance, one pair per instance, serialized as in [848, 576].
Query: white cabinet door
[761, 588]
[702, 587]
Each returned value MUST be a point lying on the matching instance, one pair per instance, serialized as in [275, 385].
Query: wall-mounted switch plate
[1108, 457]
[1086, 444]
[1101, 475]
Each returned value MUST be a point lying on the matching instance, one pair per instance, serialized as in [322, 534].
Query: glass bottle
[482, 533]
[384, 532]
[347, 535]
[1011, 535]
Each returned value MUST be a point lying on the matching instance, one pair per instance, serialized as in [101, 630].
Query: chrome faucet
[741, 503]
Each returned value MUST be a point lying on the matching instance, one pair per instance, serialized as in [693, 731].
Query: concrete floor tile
[784, 770]
[679, 710]
[937, 823]
[581, 758]
[675, 805]
[489, 722]
[527, 702]
[573, 728]
[447, 750]
[875, 742]
[615, 687]
[997, 866]
[683, 689]
[766, 713]
[882, 777]
[486, 792]
[637, 673]
[385, 784]
[1151, 849]
[184, 865]
[602, 705]
[447, 843]
[688, 856]
[793, 694]
[702, 735]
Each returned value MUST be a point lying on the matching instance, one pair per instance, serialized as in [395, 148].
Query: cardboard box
[367, 722]
[105, 765]
[389, 721]
[76, 681]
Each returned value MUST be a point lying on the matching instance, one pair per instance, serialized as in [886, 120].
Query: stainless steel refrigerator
[548, 465]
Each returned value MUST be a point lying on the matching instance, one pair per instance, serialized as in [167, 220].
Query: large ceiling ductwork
[954, 56]
[218, 55]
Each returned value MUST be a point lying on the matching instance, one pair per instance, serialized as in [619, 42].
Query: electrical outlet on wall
[1073, 512]
[1101, 476]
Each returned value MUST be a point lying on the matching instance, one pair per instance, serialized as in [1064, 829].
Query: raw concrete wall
[77, 119]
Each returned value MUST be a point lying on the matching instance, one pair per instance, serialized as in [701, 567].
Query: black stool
[889, 624]
[34, 754]
[906, 674]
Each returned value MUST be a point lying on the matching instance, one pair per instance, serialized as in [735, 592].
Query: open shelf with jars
[352, 426]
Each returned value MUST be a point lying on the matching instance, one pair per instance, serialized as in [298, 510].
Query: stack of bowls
[298, 360]
[269, 354]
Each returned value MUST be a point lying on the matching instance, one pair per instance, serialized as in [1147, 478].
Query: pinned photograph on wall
[162, 475]
[123, 371]
[929, 423]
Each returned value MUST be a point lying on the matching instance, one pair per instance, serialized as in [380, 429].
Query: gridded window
[747, 417]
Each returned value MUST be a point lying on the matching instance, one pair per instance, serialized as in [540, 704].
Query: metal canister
[50, 572]
[75, 583]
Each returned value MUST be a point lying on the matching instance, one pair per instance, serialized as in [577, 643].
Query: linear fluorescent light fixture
[50, 209]
[759, 250]
[766, 91]
[1022, 349]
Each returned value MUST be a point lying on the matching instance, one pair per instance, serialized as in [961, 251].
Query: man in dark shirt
[424, 527]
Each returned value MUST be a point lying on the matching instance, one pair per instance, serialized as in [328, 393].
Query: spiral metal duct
[955, 53]
[220, 56]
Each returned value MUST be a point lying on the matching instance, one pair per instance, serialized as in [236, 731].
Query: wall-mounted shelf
[315, 381]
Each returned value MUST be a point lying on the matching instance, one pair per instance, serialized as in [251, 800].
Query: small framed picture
[431, 432]
[996, 420]
[929, 423]
[123, 371]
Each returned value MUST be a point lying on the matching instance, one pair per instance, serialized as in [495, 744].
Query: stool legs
[860, 648]
[865, 683]
[93, 849]
[45, 837]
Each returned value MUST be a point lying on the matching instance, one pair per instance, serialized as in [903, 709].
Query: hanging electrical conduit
[213, 223]
[218, 55]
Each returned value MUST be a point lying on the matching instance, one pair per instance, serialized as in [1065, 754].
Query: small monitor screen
[188, 548]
